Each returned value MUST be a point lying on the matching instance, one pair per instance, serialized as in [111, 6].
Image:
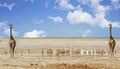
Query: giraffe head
[110, 25]
[10, 26]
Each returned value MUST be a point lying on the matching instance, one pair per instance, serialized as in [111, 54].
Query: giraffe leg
[10, 51]
[13, 52]
[110, 51]
[113, 51]
[13, 49]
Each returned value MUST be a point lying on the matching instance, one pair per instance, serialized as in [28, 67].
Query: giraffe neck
[110, 32]
[11, 37]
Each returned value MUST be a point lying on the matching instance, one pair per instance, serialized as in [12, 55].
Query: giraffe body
[111, 46]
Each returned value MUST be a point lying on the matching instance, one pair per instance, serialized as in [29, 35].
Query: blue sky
[59, 18]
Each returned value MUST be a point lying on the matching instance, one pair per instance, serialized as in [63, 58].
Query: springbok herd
[63, 52]
[73, 52]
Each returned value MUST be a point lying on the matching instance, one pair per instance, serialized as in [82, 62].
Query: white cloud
[116, 4]
[84, 33]
[99, 12]
[7, 32]
[56, 19]
[37, 21]
[35, 33]
[79, 16]
[64, 5]
[96, 6]
[9, 6]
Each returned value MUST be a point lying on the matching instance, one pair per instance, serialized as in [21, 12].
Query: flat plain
[59, 53]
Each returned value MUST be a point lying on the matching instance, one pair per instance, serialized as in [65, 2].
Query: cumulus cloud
[56, 19]
[99, 12]
[116, 4]
[84, 33]
[79, 16]
[9, 6]
[98, 8]
[64, 5]
[35, 34]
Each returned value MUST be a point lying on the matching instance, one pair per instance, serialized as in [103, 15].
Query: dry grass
[58, 66]
[28, 56]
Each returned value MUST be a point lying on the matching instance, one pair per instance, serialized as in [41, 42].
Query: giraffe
[12, 42]
[112, 42]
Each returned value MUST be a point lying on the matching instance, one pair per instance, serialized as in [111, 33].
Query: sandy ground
[28, 54]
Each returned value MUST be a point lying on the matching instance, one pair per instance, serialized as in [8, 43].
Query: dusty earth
[28, 54]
